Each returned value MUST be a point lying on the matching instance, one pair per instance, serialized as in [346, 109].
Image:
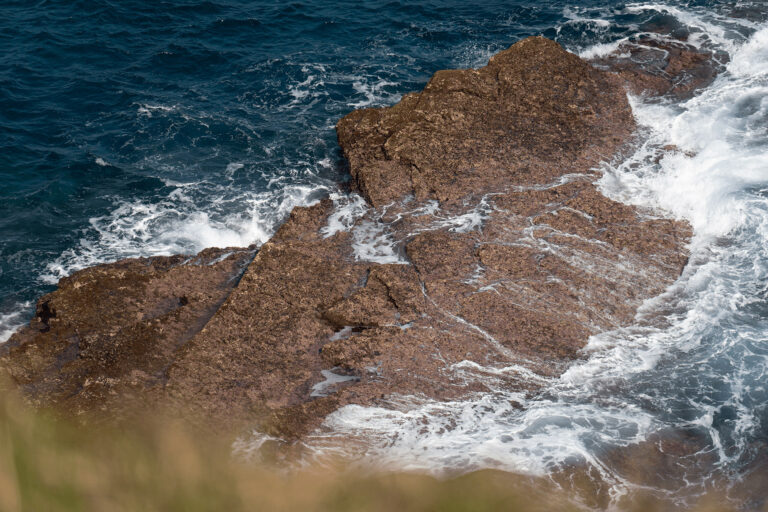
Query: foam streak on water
[11, 321]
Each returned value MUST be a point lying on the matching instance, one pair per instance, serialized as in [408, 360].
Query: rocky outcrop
[484, 259]
[663, 66]
[532, 113]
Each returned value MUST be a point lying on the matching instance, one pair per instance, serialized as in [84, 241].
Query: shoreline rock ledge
[483, 259]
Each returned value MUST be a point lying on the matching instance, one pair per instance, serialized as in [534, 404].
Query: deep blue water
[142, 128]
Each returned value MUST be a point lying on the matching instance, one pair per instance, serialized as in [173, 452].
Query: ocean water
[146, 128]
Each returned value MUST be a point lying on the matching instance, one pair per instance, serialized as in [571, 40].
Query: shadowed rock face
[501, 259]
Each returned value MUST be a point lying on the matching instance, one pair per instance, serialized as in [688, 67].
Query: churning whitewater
[222, 164]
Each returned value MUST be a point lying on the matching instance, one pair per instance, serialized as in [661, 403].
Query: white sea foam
[472, 220]
[233, 167]
[11, 321]
[178, 224]
[331, 380]
[348, 209]
[574, 16]
[720, 135]
[602, 50]
[714, 28]
[373, 242]
[374, 93]
[148, 110]
[309, 89]
[709, 30]
[198, 214]
[472, 54]
[371, 239]
[248, 447]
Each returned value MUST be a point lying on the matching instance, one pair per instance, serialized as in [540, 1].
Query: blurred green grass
[48, 464]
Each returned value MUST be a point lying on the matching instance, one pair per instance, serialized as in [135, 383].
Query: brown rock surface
[522, 120]
[487, 258]
[110, 331]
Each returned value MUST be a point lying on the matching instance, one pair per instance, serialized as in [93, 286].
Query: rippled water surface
[145, 128]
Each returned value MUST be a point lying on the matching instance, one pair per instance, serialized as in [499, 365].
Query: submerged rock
[659, 66]
[485, 260]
